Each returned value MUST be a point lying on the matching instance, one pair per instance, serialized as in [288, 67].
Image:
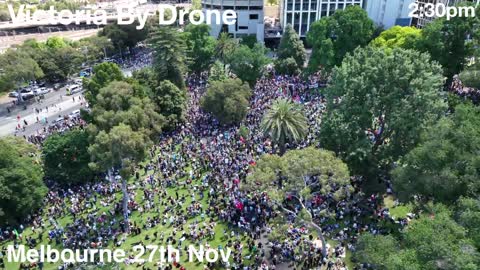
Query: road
[57, 102]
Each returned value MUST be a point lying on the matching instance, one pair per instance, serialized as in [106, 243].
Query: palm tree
[285, 122]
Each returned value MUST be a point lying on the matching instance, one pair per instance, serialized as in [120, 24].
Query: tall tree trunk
[320, 234]
[125, 204]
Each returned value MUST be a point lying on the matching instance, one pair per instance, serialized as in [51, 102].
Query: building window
[253, 16]
[243, 27]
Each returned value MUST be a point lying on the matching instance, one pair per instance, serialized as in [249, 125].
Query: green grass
[399, 211]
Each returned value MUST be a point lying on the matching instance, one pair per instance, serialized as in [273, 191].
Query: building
[249, 17]
[421, 20]
[387, 13]
[301, 13]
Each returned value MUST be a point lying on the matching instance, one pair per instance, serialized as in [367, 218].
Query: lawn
[219, 239]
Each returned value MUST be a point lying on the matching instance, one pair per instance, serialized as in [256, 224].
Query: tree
[294, 179]
[470, 77]
[123, 148]
[450, 249]
[97, 47]
[227, 100]
[225, 46]
[118, 103]
[405, 37]
[468, 215]
[169, 55]
[18, 68]
[346, 29]
[65, 157]
[21, 181]
[445, 41]
[287, 66]
[56, 42]
[171, 103]
[124, 36]
[124, 122]
[445, 165]
[291, 47]
[248, 63]
[284, 123]
[218, 72]
[200, 46]
[378, 104]
[103, 74]
[421, 246]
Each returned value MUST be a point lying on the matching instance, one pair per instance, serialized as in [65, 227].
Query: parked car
[13, 94]
[42, 91]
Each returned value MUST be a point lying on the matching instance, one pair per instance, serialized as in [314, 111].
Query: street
[57, 102]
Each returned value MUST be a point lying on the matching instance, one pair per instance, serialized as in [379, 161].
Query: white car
[13, 94]
[42, 91]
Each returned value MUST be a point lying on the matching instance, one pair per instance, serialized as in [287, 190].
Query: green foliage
[287, 66]
[104, 73]
[446, 164]
[468, 215]
[445, 41]
[225, 46]
[387, 100]
[249, 40]
[332, 37]
[227, 100]
[248, 63]
[291, 47]
[218, 72]
[120, 147]
[124, 36]
[171, 103]
[21, 180]
[292, 174]
[405, 37]
[169, 55]
[118, 103]
[470, 77]
[200, 46]
[243, 131]
[434, 241]
[18, 67]
[65, 157]
[56, 42]
[285, 122]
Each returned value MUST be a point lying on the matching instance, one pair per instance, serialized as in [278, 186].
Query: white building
[388, 13]
[301, 13]
[249, 17]
[421, 20]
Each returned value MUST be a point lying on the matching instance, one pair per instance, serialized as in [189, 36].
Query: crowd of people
[468, 93]
[191, 184]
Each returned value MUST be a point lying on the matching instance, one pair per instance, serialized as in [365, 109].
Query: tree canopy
[421, 246]
[405, 37]
[65, 157]
[291, 47]
[378, 104]
[170, 59]
[248, 63]
[103, 74]
[227, 100]
[294, 179]
[200, 46]
[332, 37]
[285, 122]
[21, 180]
[445, 165]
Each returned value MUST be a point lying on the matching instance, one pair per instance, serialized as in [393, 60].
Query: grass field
[220, 238]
